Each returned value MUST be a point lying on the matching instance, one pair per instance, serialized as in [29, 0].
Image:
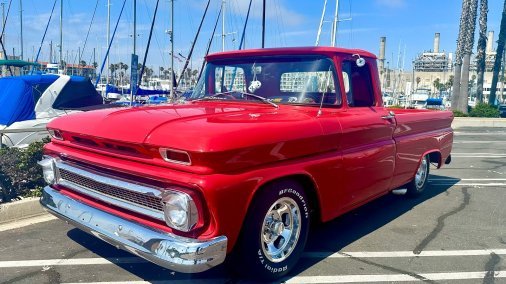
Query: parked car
[269, 141]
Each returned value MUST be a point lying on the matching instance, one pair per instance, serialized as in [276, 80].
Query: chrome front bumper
[170, 251]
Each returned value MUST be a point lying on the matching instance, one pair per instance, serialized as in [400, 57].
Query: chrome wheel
[281, 229]
[421, 174]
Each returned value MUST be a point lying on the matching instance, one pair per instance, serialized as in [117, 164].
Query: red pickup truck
[269, 141]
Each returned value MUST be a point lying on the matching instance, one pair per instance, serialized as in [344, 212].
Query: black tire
[417, 186]
[251, 257]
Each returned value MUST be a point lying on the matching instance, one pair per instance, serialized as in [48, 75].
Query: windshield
[302, 80]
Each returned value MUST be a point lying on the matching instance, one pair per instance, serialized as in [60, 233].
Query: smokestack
[490, 42]
[436, 42]
[381, 57]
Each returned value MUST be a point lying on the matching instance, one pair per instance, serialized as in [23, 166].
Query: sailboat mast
[334, 25]
[21, 26]
[172, 49]
[108, 37]
[61, 37]
[263, 25]
[135, 27]
[223, 25]
[321, 24]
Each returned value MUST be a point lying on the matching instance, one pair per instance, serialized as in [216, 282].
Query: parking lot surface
[454, 233]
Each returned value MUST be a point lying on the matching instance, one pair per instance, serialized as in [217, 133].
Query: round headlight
[48, 169]
[179, 210]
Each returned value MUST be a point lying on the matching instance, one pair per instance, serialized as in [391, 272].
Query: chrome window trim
[111, 181]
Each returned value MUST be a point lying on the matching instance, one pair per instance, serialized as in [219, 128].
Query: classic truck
[269, 141]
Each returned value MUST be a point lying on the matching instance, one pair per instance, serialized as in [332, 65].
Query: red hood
[199, 127]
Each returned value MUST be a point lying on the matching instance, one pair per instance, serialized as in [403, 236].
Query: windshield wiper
[260, 98]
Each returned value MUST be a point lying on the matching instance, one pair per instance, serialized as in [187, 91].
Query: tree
[418, 80]
[113, 69]
[160, 72]
[449, 83]
[458, 56]
[437, 85]
[498, 57]
[467, 51]
[480, 52]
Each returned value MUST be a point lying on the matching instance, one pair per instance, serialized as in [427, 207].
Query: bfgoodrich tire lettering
[274, 233]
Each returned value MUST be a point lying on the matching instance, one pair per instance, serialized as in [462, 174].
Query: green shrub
[458, 113]
[19, 173]
[484, 110]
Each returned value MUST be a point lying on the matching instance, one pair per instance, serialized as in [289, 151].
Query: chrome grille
[126, 194]
[116, 192]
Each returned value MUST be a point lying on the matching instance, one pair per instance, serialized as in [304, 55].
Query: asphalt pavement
[455, 233]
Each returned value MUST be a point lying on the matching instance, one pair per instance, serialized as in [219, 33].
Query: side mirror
[360, 61]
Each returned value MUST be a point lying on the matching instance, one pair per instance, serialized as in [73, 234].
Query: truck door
[367, 142]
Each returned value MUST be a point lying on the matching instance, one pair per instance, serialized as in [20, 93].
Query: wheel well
[435, 157]
[309, 188]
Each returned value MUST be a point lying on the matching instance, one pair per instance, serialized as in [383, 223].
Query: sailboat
[29, 102]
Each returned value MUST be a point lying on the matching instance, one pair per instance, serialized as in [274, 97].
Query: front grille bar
[126, 194]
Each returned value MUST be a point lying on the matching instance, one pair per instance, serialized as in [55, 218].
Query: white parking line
[388, 254]
[344, 278]
[72, 261]
[26, 222]
[363, 254]
[393, 277]
[457, 133]
[494, 184]
[478, 155]
[457, 179]
[476, 142]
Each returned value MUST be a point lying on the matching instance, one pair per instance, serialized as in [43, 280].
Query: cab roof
[323, 50]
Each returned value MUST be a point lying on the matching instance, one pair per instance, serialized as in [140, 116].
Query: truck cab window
[229, 78]
[357, 85]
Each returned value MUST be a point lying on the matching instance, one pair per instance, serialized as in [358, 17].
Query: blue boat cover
[434, 101]
[19, 94]
[78, 93]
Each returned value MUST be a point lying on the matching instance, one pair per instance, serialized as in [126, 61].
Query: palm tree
[112, 68]
[467, 51]
[418, 80]
[498, 57]
[437, 85]
[160, 72]
[458, 55]
[480, 53]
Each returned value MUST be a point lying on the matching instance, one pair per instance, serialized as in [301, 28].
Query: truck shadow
[328, 238]
[333, 236]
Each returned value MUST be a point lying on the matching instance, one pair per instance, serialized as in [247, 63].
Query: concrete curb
[17, 210]
[459, 122]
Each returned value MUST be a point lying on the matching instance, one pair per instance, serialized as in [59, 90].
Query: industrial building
[434, 66]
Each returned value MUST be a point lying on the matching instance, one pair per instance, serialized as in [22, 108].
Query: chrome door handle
[391, 115]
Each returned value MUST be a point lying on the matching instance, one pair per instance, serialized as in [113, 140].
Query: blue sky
[409, 24]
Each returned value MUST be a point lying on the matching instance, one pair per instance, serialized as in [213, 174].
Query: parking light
[55, 133]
